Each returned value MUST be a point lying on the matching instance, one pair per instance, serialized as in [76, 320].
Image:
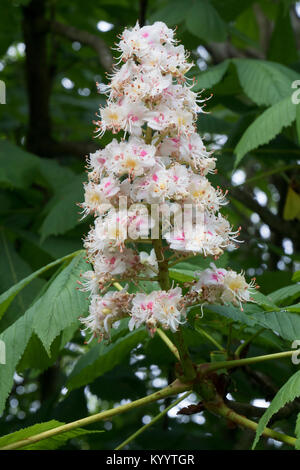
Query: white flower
[217, 285]
[158, 159]
[160, 308]
[98, 197]
[132, 157]
[104, 312]
[149, 261]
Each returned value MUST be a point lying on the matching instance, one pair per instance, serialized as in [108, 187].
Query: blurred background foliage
[51, 54]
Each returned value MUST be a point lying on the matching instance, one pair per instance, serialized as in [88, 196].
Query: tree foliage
[51, 54]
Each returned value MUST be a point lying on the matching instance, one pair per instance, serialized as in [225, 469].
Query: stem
[164, 280]
[243, 362]
[172, 389]
[210, 338]
[186, 361]
[248, 341]
[168, 342]
[157, 417]
[163, 267]
[228, 413]
[229, 338]
[148, 137]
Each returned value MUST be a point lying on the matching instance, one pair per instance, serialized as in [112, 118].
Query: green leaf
[50, 443]
[230, 9]
[62, 304]
[284, 51]
[286, 324]
[12, 268]
[266, 127]
[172, 14]
[245, 31]
[285, 295]
[17, 167]
[264, 301]
[297, 432]
[7, 297]
[264, 82]
[204, 21]
[15, 338]
[287, 393]
[296, 276]
[63, 211]
[211, 76]
[293, 308]
[102, 358]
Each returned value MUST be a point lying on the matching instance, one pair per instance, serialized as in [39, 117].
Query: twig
[153, 421]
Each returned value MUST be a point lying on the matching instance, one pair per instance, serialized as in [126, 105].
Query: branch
[84, 37]
[143, 11]
[210, 367]
[256, 412]
[223, 410]
[173, 389]
[156, 418]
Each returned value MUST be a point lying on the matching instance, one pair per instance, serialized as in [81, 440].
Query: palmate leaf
[266, 127]
[101, 358]
[286, 324]
[15, 339]
[284, 51]
[62, 304]
[50, 443]
[231, 9]
[285, 295]
[287, 393]
[204, 21]
[211, 76]
[264, 82]
[57, 309]
[13, 268]
[172, 14]
[7, 297]
[19, 168]
[63, 214]
[293, 308]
